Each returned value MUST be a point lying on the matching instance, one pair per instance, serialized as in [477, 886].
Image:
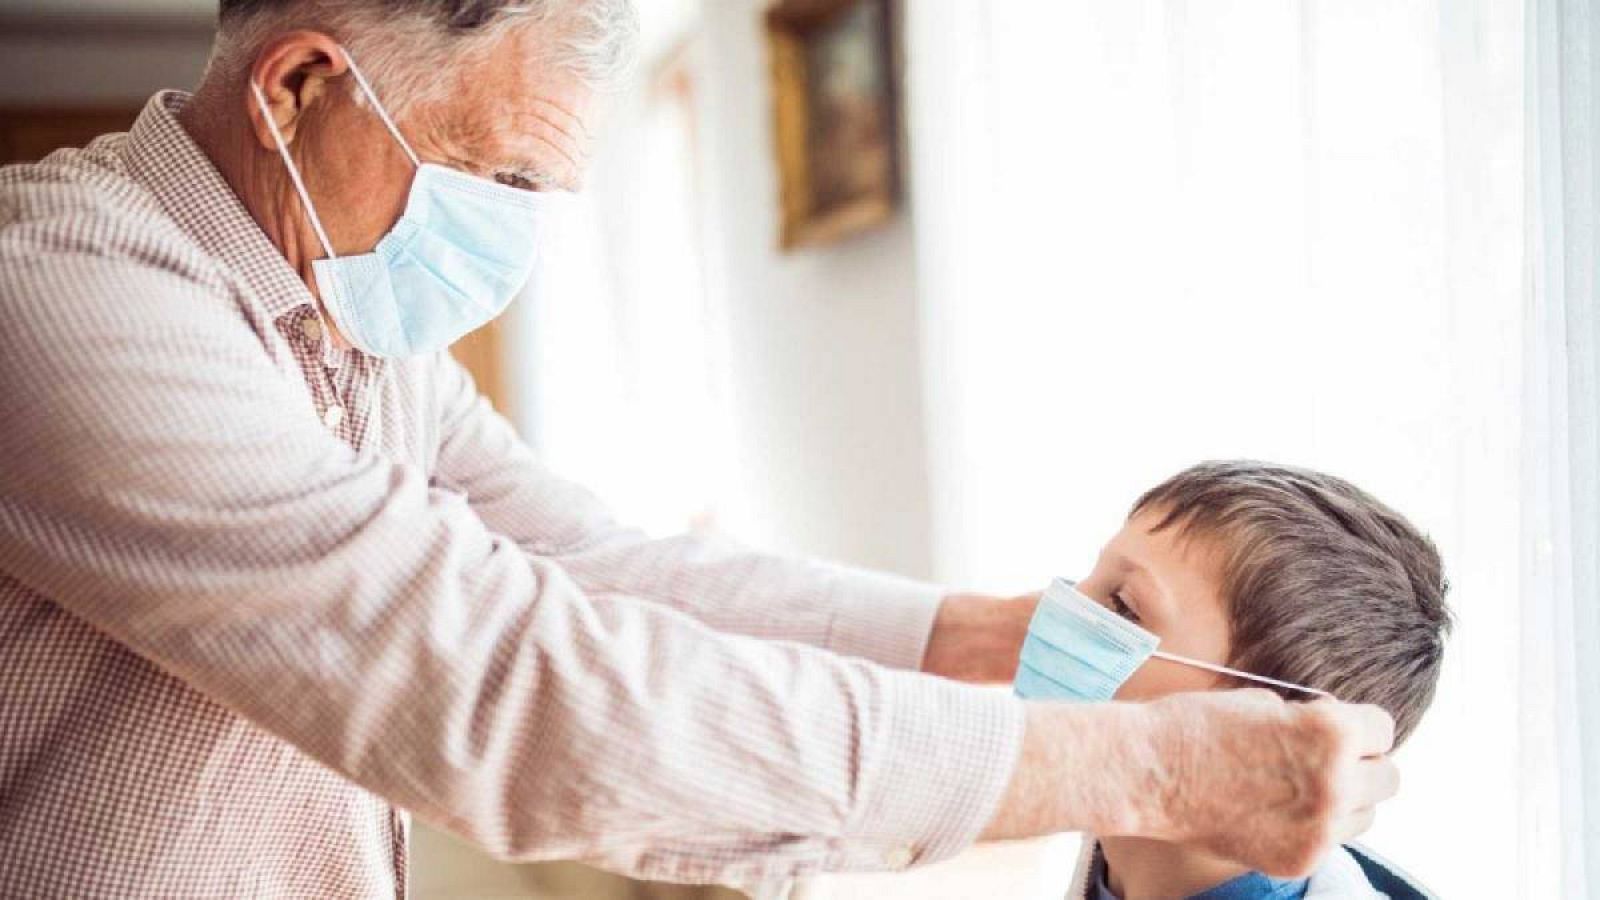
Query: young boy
[1288, 574]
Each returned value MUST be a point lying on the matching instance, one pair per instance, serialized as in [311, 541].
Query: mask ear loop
[1224, 670]
[378, 107]
[294, 173]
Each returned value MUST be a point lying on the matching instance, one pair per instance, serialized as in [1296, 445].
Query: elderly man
[273, 577]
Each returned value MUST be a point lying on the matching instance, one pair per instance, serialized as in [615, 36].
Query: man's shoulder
[76, 226]
[73, 182]
[85, 202]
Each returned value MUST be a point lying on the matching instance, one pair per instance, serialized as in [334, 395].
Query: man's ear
[293, 71]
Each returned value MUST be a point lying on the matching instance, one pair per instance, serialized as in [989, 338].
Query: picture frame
[835, 117]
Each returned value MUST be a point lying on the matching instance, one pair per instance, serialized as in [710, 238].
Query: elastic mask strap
[294, 173]
[378, 107]
[1224, 670]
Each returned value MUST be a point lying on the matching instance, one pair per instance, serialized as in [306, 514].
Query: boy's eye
[1121, 608]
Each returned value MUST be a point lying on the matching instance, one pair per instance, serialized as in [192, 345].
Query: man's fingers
[1370, 727]
[1333, 754]
[1355, 824]
[1376, 780]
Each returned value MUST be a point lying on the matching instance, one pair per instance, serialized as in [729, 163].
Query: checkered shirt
[258, 595]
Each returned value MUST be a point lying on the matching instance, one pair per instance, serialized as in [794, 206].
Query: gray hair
[403, 46]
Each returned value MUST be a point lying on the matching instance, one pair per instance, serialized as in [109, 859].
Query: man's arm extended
[166, 485]
[882, 618]
[1209, 769]
[1240, 773]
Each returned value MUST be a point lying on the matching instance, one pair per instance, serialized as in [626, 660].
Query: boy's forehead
[1141, 537]
[1178, 559]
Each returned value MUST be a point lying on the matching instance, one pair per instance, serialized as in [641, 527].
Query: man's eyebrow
[535, 172]
[522, 167]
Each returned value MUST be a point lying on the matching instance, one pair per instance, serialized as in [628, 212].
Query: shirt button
[333, 416]
[900, 858]
[311, 327]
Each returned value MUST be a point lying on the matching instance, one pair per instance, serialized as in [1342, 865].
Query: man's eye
[1121, 608]
[513, 179]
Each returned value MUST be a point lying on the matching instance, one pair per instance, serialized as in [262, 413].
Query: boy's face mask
[1079, 651]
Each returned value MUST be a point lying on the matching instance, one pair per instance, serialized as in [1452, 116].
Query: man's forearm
[1073, 773]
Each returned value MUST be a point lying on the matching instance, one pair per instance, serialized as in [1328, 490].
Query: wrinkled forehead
[512, 108]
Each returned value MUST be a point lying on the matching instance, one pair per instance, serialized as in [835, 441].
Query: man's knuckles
[1303, 858]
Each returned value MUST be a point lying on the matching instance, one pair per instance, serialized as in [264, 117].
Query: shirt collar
[1249, 886]
[191, 190]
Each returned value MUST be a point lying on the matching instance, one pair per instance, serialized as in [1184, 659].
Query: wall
[99, 58]
[823, 343]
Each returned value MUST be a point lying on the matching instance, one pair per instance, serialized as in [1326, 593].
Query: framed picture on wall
[836, 126]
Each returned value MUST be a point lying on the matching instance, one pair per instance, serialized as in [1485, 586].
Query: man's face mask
[1079, 651]
[457, 256]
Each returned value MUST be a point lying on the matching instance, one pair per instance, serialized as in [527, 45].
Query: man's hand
[1240, 773]
[978, 638]
[1271, 784]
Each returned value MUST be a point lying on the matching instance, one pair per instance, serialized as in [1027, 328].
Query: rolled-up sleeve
[881, 617]
[166, 485]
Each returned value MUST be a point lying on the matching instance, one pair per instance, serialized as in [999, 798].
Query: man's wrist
[1090, 768]
[978, 638]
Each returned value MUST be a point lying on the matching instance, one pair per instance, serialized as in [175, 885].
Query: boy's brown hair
[1324, 585]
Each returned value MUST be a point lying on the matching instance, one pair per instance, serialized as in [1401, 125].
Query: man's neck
[1139, 868]
[222, 133]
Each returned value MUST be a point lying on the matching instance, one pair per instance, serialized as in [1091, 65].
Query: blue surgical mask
[459, 253]
[1079, 651]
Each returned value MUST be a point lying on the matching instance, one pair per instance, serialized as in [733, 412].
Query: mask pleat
[1077, 649]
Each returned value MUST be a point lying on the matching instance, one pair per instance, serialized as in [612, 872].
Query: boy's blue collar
[1249, 886]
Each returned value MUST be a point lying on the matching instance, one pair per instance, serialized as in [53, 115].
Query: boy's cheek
[1158, 678]
[1145, 684]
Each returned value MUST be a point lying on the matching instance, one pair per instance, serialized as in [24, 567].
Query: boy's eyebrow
[1152, 592]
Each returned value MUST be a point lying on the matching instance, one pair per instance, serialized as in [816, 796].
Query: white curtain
[1152, 232]
[621, 366]
[1349, 234]
[1560, 725]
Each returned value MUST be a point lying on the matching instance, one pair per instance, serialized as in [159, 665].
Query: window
[1152, 233]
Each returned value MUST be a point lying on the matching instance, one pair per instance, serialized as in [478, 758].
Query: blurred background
[940, 287]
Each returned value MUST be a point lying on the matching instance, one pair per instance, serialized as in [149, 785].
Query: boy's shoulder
[1383, 877]
[1348, 873]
